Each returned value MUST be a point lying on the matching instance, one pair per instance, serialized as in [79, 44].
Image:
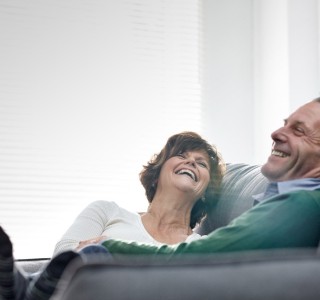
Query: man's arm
[285, 221]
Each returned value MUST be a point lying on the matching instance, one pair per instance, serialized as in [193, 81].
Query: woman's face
[189, 172]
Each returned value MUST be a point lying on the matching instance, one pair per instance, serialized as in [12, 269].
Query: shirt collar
[309, 184]
[275, 188]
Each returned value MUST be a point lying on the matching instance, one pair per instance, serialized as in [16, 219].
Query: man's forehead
[306, 114]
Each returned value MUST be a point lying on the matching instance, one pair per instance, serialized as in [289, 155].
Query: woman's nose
[191, 161]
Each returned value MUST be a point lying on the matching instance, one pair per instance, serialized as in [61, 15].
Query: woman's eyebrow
[202, 157]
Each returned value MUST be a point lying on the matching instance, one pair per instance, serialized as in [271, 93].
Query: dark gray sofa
[273, 274]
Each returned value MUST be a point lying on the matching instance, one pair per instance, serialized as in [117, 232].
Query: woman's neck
[168, 222]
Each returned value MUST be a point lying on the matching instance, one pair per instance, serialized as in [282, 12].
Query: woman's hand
[95, 240]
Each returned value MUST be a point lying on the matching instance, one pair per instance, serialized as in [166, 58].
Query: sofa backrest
[263, 275]
[240, 182]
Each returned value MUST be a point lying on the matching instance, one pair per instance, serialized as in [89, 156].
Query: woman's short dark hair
[180, 143]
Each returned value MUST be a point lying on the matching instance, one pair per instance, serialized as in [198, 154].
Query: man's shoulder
[310, 193]
[304, 196]
[294, 204]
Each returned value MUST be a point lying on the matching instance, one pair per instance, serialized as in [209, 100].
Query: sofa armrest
[32, 265]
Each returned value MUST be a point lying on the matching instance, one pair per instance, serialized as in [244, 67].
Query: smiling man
[288, 215]
[296, 148]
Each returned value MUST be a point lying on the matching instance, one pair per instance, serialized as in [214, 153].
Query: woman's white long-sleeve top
[106, 218]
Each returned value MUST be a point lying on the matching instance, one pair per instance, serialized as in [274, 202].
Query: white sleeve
[90, 223]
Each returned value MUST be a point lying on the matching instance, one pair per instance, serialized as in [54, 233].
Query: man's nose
[280, 135]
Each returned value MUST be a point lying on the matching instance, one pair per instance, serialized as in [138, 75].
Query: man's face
[296, 146]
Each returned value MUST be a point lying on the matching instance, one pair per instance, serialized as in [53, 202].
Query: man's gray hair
[317, 99]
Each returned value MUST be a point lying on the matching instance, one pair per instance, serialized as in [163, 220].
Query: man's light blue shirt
[276, 188]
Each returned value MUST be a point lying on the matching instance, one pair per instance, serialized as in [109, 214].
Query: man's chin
[270, 171]
[274, 175]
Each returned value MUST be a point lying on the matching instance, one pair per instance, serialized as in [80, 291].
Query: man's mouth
[189, 173]
[279, 153]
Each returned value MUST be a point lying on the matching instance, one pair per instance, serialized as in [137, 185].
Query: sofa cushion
[240, 182]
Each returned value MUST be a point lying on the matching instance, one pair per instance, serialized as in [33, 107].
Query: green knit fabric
[289, 220]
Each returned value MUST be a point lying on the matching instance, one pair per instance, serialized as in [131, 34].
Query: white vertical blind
[89, 90]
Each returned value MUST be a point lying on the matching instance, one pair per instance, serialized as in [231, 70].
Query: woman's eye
[202, 164]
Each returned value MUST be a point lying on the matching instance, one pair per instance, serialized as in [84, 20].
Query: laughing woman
[180, 183]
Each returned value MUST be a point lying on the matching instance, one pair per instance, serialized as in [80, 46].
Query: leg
[12, 282]
[43, 286]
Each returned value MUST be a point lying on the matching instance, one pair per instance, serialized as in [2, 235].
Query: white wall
[304, 80]
[228, 77]
[262, 59]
